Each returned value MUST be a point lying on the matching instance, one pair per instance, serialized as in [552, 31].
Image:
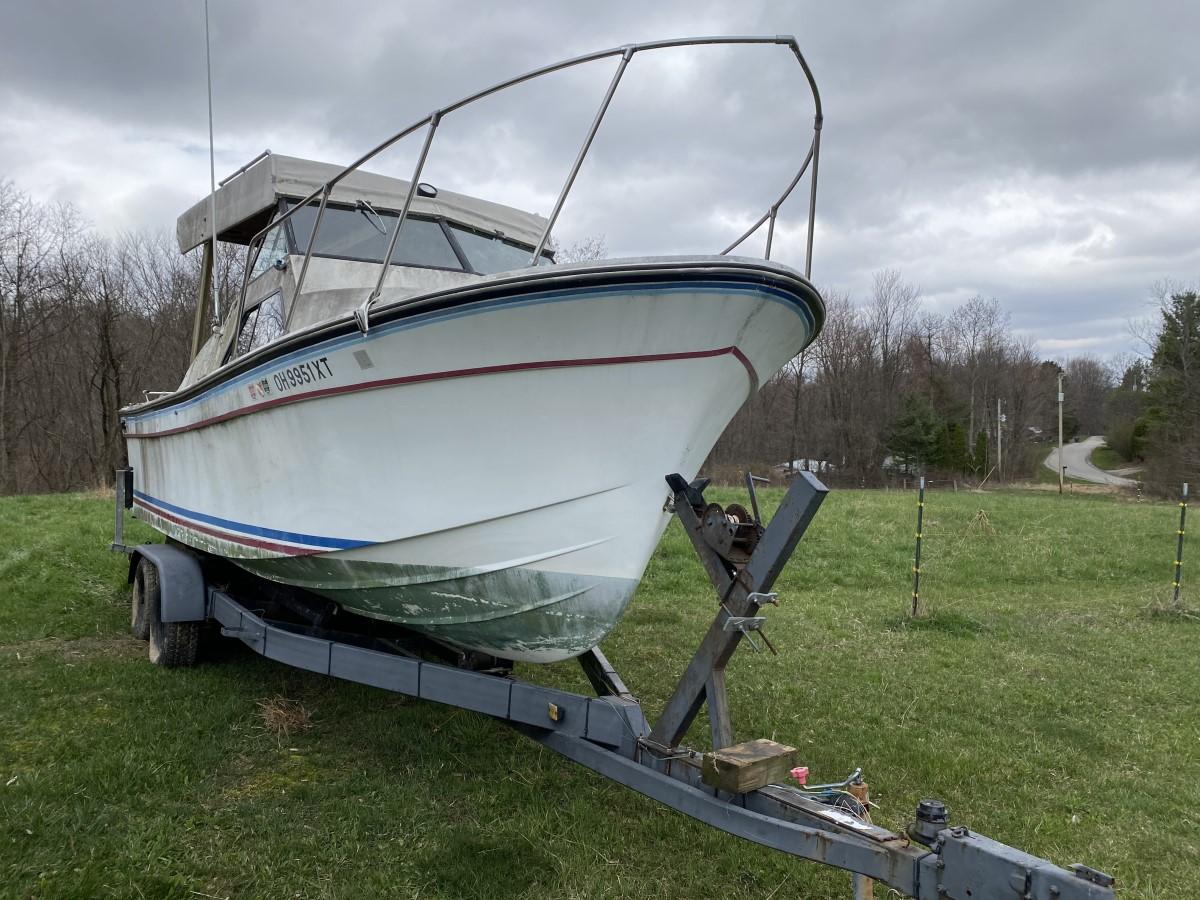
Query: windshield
[488, 254]
[363, 234]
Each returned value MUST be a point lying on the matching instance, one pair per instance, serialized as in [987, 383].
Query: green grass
[1041, 700]
[1105, 457]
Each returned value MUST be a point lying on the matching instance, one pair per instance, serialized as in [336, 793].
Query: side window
[274, 249]
[246, 334]
[262, 325]
[270, 321]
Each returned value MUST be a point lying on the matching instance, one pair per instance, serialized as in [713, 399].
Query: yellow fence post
[1179, 544]
[916, 591]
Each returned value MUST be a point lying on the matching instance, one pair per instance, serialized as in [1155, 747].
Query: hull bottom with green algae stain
[517, 613]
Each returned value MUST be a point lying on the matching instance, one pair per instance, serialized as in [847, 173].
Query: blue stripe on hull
[292, 537]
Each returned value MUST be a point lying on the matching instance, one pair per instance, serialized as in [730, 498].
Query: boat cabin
[447, 240]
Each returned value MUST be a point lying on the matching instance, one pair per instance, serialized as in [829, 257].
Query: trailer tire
[145, 581]
[172, 644]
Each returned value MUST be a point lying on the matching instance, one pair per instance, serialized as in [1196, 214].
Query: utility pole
[999, 447]
[1060, 457]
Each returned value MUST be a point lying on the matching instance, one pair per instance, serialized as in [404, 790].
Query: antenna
[212, 180]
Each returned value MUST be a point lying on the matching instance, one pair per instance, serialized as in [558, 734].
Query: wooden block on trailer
[747, 767]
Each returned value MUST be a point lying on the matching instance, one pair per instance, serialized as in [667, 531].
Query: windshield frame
[289, 240]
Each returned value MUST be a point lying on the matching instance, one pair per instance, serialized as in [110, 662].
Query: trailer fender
[180, 578]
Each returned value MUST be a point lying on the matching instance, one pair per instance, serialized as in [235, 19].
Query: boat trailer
[734, 788]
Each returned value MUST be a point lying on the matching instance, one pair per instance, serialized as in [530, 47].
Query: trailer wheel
[145, 581]
[172, 644]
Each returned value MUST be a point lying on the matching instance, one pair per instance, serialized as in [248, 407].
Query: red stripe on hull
[452, 373]
[745, 361]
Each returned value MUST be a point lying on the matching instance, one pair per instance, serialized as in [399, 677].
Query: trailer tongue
[728, 788]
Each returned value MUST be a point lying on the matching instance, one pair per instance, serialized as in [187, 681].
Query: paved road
[1077, 458]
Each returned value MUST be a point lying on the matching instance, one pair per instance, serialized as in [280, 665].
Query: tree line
[889, 390]
[86, 325]
[1152, 404]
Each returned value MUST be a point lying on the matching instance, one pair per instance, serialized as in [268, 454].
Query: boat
[470, 440]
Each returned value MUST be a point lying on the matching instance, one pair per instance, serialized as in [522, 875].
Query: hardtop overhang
[246, 202]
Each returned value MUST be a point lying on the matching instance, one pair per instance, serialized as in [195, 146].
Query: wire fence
[1158, 492]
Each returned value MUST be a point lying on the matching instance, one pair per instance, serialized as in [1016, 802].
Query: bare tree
[1090, 381]
[83, 322]
[584, 250]
[975, 331]
[850, 395]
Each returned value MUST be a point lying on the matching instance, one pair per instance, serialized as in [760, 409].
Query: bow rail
[431, 122]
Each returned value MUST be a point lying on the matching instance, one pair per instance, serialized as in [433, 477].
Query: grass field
[1043, 700]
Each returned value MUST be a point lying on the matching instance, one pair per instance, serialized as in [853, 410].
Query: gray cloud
[1045, 156]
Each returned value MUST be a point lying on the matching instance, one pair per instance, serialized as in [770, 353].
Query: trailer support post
[741, 593]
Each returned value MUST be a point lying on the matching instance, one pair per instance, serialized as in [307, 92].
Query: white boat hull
[489, 472]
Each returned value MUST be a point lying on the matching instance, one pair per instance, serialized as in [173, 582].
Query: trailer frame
[609, 733]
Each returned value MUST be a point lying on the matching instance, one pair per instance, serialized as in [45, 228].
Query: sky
[1046, 155]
